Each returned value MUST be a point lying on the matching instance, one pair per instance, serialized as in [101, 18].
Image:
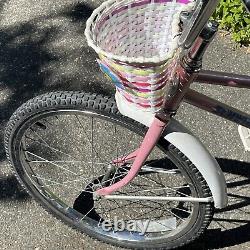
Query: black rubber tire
[107, 106]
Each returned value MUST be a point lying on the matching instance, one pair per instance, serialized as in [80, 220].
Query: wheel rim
[34, 146]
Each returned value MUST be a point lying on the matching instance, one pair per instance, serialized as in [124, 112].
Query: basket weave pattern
[136, 41]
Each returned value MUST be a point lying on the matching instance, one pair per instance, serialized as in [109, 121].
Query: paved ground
[42, 48]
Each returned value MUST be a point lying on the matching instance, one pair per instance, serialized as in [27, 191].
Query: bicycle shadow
[233, 222]
[214, 238]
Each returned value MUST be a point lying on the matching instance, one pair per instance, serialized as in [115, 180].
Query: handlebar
[198, 19]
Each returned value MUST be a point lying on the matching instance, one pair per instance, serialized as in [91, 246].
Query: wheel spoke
[54, 164]
[69, 155]
[47, 145]
[167, 187]
[55, 183]
[90, 140]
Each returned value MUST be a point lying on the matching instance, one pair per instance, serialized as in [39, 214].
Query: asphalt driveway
[42, 48]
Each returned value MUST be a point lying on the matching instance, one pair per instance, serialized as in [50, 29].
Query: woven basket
[136, 41]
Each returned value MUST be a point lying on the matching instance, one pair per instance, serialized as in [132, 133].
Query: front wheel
[62, 146]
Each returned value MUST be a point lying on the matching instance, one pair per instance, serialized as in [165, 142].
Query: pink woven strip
[155, 79]
[133, 5]
[141, 90]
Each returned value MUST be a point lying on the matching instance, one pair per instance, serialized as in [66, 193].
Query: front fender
[190, 146]
[195, 151]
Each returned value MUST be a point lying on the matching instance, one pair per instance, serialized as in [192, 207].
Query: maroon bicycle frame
[215, 107]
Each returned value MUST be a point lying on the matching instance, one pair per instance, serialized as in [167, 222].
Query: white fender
[190, 146]
[196, 152]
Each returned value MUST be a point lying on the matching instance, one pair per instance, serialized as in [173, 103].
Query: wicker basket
[136, 41]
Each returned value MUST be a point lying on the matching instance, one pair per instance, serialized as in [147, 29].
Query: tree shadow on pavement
[21, 57]
[11, 189]
[79, 12]
[46, 54]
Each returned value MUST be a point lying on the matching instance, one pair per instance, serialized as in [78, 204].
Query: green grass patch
[233, 17]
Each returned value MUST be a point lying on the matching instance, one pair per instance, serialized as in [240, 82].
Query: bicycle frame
[215, 107]
[187, 71]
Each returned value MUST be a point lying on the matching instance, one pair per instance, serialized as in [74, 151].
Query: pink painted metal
[126, 158]
[149, 141]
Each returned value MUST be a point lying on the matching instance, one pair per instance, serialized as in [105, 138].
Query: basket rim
[140, 60]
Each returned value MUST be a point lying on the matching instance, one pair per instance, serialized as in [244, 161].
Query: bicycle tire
[105, 106]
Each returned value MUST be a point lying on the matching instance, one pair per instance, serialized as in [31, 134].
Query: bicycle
[163, 178]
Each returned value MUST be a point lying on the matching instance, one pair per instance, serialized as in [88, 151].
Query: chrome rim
[65, 155]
